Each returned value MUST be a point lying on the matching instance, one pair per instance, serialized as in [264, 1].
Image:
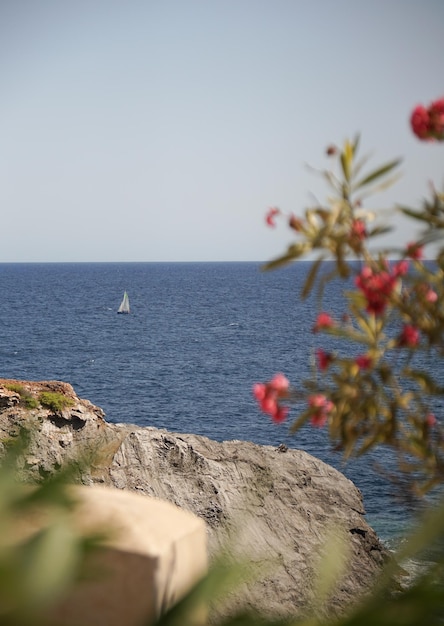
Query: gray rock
[273, 506]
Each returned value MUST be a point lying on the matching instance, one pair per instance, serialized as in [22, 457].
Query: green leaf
[308, 285]
[424, 380]
[299, 422]
[346, 160]
[355, 145]
[356, 299]
[381, 171]
[360, 164]
[370, 442]
[364, 324]
[331, 179]
[350, 334]
[343, 267]
[379, 230]
[430, 530]
[222, 580]
[51, 559]
[294, 252]
[383, 186]
[333, 564]
[417, 215]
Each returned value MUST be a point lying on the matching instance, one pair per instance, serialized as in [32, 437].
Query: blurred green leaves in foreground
[42, 555]
[420, 602]
[41, 552]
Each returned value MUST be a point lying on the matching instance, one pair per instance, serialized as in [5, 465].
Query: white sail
[124, 305]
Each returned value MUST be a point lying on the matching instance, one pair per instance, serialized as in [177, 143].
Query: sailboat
[124, 305]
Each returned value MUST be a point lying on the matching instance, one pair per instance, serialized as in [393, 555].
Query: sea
[198, 337]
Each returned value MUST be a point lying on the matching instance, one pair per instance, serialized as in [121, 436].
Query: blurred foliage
[419, 603]
[41, 552]
[42, 555]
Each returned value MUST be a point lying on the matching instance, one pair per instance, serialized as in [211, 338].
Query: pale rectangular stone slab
[155, 553]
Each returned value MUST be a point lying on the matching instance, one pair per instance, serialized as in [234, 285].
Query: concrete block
[154, 555]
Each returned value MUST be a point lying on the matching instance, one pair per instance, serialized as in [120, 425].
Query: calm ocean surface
[198, 336]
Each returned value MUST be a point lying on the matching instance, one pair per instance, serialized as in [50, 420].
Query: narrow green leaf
[424, 380]
[379, 230]
[294, 252]
[383, 186]
[331, 179]
[363, 323]
[222, 579]
[360, 164]
[355, 145]
[368, 443]
[381, 171]
[343, 267]
[332, 565]
[356, 300]
[430, 530]
[299, 422]
[52, 558]
[417, 215]
[346, 160]
[308, 285]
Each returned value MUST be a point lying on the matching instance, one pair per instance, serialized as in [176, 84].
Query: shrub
[375, 390]
[55, 401]
[26, 398]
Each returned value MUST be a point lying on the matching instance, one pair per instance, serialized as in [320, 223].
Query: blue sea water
[198, 336]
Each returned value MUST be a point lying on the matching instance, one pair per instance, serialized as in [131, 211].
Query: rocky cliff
[274, 505]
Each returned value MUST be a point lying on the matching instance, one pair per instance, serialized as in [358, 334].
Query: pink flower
[401, 268]
[409, 336]
[320, 408]
[259, 391]
[279, 383]
[324, 359]
[364, 362]
[426, 292]
[269, 394]
[280, 415]
[319, 401]
[437, 107]
[358, 230]
[420, 122]
[430, 420]
[431, 296]
[319, 419]
[428, 124]
[269, 405]
[414, 251]
[436, 112]
[269, 218]
[377, 288]
[324, 320]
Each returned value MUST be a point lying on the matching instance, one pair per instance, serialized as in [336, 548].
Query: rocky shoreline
[274, 506]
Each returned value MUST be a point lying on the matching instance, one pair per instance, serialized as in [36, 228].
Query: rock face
[276, 506]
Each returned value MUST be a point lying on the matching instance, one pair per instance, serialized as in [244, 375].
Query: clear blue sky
[161, 130]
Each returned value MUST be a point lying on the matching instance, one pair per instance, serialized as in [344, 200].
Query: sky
[162, 130]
